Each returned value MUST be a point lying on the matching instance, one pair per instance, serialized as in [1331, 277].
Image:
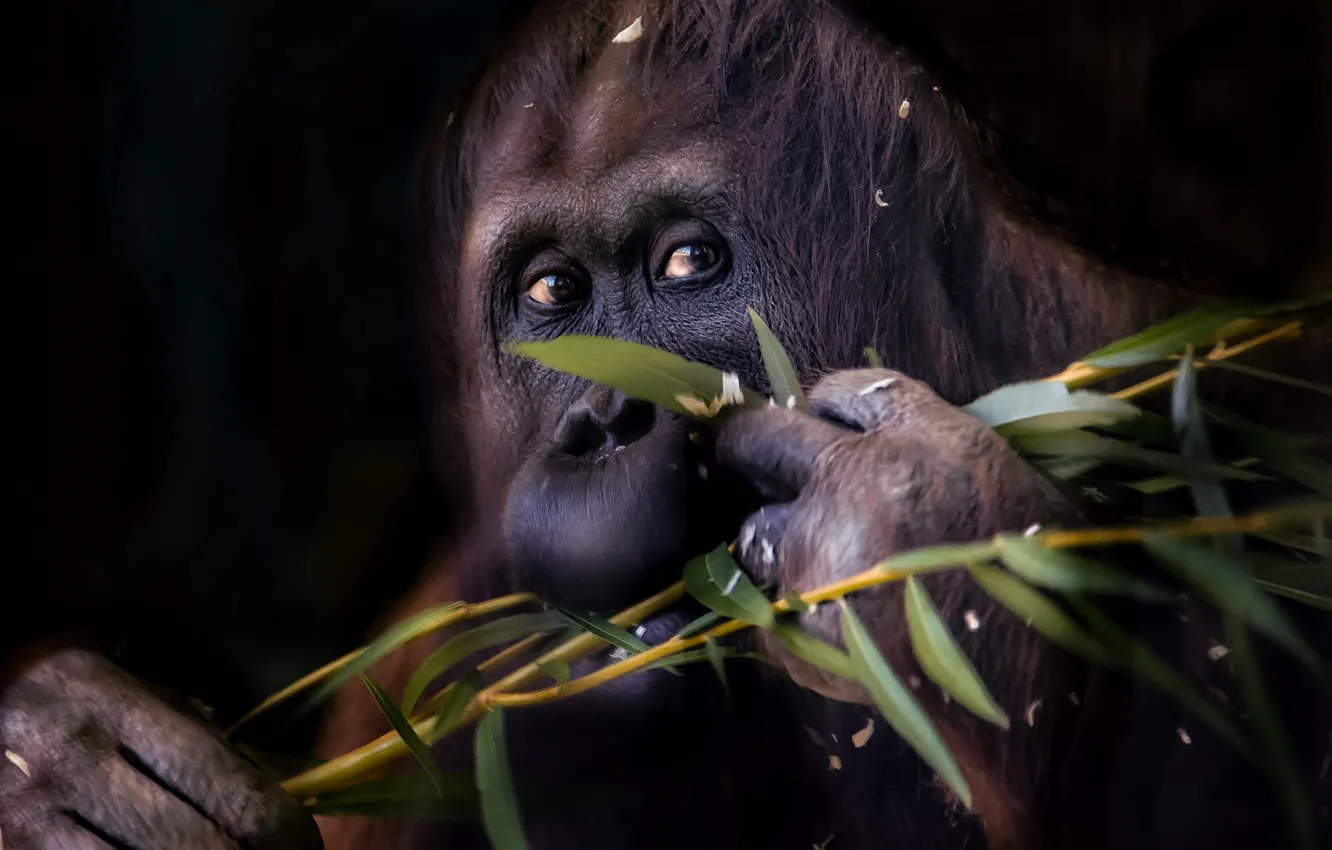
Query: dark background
[236, 476]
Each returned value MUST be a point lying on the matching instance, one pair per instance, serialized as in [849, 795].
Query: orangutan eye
[689, 260]
[556, 289]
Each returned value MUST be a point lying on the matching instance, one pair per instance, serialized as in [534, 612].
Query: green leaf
[1275, 749]
[943, 660]
[499, 800]
[1043, 406]
[781, 374]
[1295, 463]
[1067, 468]
[407, 732]
[1065, 571]
[1309, 583]
[455, 702]
[556, 669]
[714, 654]
[1085, 445]
[1226, 582]
[1196, 327]
[408, 795]
[456, 648]
[813, 651]
[715, 580]
[875, 361]
[700, 624]
[606, 630]
[1126, 653]
[1209, 497]
[897, 705]
[1294, 540]
[397, 635]
[636, 370]
[1037, 611]
[1274, 377]
[693, 656]
[936, 558]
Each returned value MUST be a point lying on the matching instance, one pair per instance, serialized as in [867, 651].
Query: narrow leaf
[714, 654]
[1065, 571]
[811, 650]
[1274, 377]
[397, 635]
[1226, 582]
[1208, 496]
[408, 795]
[899, 708]
[456, 648]
[1196, 327]
[555, 668]
[636, 370]
[875, 361]
[693, 656]
[1309, 583]
[716, 581]
[1085, 445]
[1275, 749]
[795, 603]
[936, 558]
[1042, 406]
[1037, 611]
[455, 702]
[606, 630]
[499, 800]
[781, 374]
[407, 732]
[943, 660]
[699, 624]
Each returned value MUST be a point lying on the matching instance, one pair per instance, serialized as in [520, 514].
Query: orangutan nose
[603, 421]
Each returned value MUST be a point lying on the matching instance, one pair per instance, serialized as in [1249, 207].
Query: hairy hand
[882, 466]
[92, 760]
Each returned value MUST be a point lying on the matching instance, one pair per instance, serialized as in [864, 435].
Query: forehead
[594, 148]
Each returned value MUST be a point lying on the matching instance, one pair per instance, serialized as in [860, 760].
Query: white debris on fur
[878, 198]
[834, 763]
[746, 538]
[640, 631]
[1031, 712]
[877, 385]
[1218, 651]
[631, 33]
[973, 622]
[914, 681]
[769, 554]
[703, 471]
[1032, 530]
[822, 845]
[790, 402]
[731, 393]
[1184, 735]
[619, 653]
[904, 110]
[18, 761]
[862, 737]
[1073, 698]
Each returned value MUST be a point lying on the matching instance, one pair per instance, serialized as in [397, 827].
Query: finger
[186, 758]
[868, 399]
[59, 833]
[120, 803]
[760, 540]
[774, 448]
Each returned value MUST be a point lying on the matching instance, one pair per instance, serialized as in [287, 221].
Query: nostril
[602, 421]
